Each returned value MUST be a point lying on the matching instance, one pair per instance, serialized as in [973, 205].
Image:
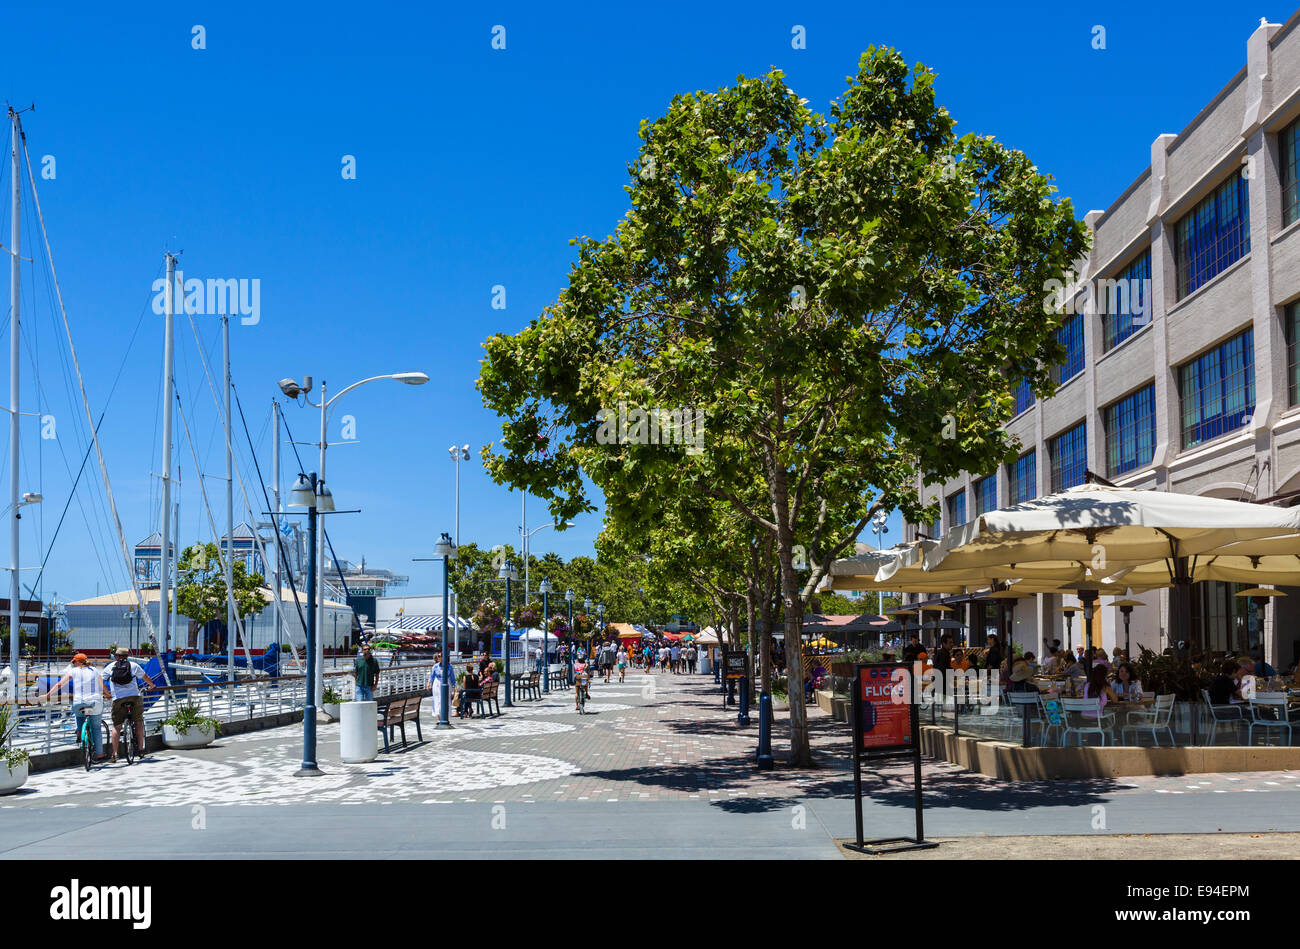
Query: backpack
[121, 674]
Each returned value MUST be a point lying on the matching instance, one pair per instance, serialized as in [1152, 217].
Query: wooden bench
[534, 685]
[488, 696]
[395, 713]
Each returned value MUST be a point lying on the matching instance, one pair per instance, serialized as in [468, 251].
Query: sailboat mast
[231, 618]
[275, 521]
[164, 576]
[15, 247]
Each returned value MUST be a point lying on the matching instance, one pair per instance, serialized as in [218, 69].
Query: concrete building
[1183, 371]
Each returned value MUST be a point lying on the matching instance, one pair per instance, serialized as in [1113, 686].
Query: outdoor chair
[1048, 724]
[1269, 711]
[1221, 714]
[1090, 719]
[1156, 719]
[1016, 703]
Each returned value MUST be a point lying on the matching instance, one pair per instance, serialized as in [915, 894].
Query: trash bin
[706, 663]
[358, 732]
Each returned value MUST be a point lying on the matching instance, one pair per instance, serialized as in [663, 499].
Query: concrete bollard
[358, 732]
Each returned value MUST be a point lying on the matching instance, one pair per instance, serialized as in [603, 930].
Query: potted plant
[188, 729]
[14, 762]
[330, 702]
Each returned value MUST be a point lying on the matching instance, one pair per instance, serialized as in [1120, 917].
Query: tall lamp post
[311, 493]
[293, 390]
[568, 597]
[506, 573]
[880, 526]
[447, 551]
[545, 590]
[586, 611]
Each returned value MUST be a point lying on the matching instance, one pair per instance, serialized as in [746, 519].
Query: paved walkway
[662, 749]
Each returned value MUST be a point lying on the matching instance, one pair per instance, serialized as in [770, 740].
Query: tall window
[956, 509]
[1131, 431]
[1218, 390]
[1071, 337]
[1292, 325]
[1289, 142]
[1024, 397]
[1023, 478]
[1213, 235]
[1126, 302]
[986, 495]
[1069, 453]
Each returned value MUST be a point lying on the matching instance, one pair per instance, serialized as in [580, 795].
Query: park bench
[488, 697]
[528, 684]
[395, 713]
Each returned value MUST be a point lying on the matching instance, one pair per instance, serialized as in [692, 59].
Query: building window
[1289, 147]
[956, 509]
[1023, 478]
[1218, 390]
[1071, 337]
[1131, 431]
[1125, 302]
[1292, 325]
[1069, 454]
[986, 495]
[1024, 398]
[1213, 235]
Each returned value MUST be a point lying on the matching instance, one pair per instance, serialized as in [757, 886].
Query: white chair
[1090, 720]
[1221, 715]
[1269, 711]
[1018, 701]
[1155, 719]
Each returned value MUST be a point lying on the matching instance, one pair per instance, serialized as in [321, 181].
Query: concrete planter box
[12, 778]
[330, 710]
[198, 736]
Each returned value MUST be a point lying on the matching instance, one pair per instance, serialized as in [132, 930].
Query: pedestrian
[122, 677]
[435, 685]
[537, 658]
[621, 659]
[366, 672]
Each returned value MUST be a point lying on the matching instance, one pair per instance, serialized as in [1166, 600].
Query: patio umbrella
[1123, 531]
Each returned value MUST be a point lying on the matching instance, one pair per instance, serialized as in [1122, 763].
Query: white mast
[275, 521]
[15, 589]
[164, 575]
[176, 547]
[231, 617]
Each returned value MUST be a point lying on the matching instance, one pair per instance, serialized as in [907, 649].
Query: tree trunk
[792, 602]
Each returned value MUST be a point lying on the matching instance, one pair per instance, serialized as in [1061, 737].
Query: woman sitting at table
[1126, 686]
[1022, 677]
[1098, 688]
[469, 692]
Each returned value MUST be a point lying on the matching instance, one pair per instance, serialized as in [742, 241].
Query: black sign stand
[880, 845]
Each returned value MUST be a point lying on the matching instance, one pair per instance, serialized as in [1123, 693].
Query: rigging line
[230, 541]
[85, 402]
[279, 540]
[71, 494]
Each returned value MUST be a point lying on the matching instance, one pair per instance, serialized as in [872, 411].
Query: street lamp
[15, 590]
[568, 597]
[545, 590]
[586, 609]
[447, 551]
[506, 573]
[310, 492]
[879, 527]
[294, 391]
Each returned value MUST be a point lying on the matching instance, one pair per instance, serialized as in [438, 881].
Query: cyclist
[581, 690]
[87, 699]
[120, 678]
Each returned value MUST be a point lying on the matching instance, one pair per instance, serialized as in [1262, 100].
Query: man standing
[120, 682]
[366, 671]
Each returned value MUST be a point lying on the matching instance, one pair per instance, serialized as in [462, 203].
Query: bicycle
[87, 741]
[580, 698]
[128, 736]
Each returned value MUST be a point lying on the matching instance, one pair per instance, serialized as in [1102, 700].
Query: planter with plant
[330, 702]
[188, 729]
[14, 762]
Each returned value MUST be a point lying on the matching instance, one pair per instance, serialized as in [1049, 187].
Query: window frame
[1206, 235]
[1141, 403]
[1214, 426]
[1078, 436]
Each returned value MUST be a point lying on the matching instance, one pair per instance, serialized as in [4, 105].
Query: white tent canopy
[531, 635]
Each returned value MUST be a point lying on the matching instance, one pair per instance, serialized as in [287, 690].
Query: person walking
[366, 672]
[435, 685]
[87, 698]
[621, 659]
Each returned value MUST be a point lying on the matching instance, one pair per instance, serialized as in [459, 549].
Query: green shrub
[187, 717]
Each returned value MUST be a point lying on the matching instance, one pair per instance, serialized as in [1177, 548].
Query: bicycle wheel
[128, 736]
[87, 744]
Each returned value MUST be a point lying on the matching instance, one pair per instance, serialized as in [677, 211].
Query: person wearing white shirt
[120, 677]
[87, 698]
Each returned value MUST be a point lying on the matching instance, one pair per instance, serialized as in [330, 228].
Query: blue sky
[474, 169]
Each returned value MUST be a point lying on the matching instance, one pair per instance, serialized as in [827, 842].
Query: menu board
[736, 664]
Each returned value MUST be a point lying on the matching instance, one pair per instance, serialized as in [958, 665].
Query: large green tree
[201, 588]
[848, 299]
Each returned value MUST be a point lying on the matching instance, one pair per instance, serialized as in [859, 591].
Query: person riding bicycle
[581, 685]
[87, 699]
[120, 681]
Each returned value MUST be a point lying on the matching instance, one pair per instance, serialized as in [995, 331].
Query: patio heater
[1260, 596]
[1126, 608]
[1069, 612]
